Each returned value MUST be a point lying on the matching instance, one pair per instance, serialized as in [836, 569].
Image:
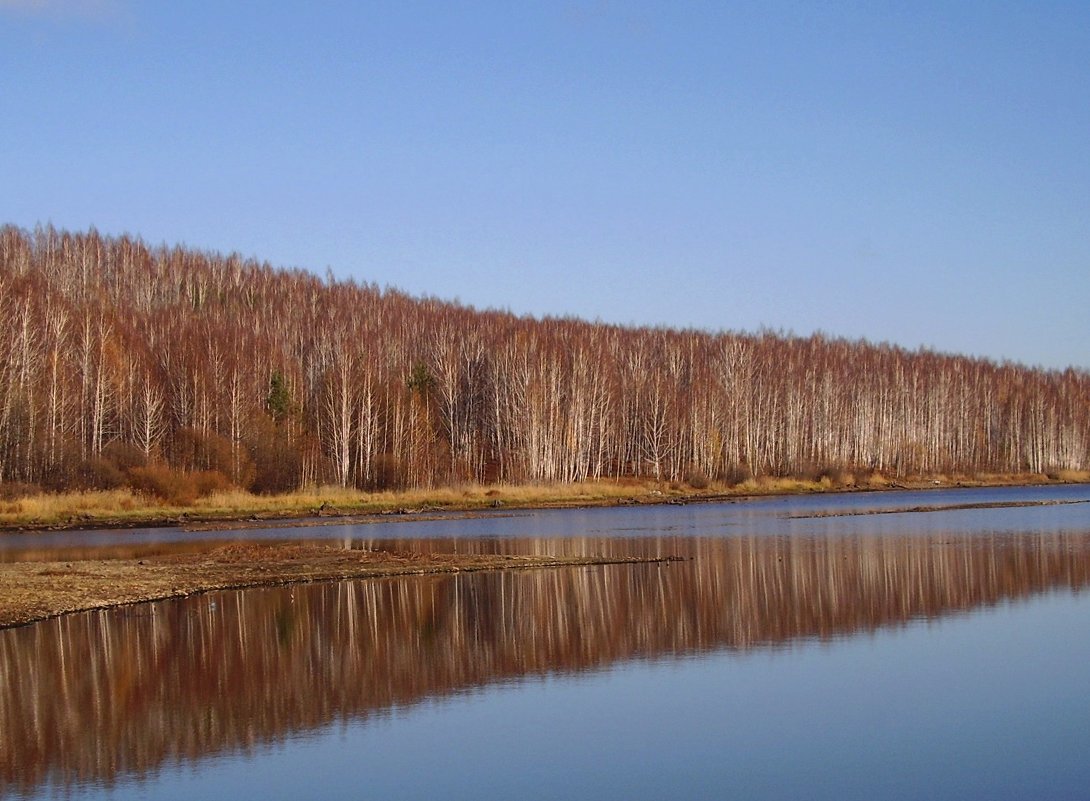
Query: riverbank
[35, 591]
[238, 509]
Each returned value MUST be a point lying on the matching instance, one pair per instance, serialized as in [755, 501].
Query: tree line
[123, 363]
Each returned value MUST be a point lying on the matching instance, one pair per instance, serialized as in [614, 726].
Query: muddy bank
[952, 507]
[39, 590]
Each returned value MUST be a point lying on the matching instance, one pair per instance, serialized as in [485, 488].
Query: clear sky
[910, 172]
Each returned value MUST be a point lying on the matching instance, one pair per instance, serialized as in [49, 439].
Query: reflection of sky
[990, 704]
[768, 516]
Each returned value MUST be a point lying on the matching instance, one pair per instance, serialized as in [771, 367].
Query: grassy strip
[127, 508]
[39, 590]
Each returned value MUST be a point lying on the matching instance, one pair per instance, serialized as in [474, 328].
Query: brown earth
[38, 590]
[953, 507]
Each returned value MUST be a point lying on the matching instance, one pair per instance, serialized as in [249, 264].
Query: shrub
[389, 473]
[736, 474]
[14, 490]
[124, 456]
[100, 474]
[165, 484]
[209, 481]
[175, 487]
[192, 449]
[275, 462]
[697, 479]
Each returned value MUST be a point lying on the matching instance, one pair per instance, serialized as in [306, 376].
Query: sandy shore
[38, 590]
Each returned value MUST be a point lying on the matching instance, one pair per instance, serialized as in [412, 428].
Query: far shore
[36, 590]
[124, 509]
[238, 509]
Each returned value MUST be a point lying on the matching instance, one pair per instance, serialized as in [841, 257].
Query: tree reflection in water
[100, 696]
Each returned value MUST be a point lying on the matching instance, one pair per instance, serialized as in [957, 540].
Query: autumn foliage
[177, 371]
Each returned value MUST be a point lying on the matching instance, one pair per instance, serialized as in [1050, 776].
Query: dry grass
[774, 485]
[120, 507]
[86, 506]
[470, 496]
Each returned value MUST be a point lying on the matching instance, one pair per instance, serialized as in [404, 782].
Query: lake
[880, 645]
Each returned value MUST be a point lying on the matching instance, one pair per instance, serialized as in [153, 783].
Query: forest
[152, 367]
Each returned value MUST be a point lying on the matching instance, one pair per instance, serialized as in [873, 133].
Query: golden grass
[457, 497]
[47, 507]
[775, 485]
[125, 506]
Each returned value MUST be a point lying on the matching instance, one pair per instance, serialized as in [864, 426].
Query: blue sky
[917, 173]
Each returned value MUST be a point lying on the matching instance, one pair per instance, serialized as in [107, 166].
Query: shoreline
[37, 591]
[327, 506]
[40, 590]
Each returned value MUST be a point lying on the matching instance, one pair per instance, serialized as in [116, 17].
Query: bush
[389, 473]
[100, 474]
[275, 463]
[14, 490]
[277, 467]
[209, 481]
[196, 451]
[736, 474]
[697, 479]
[174, 487]
[163, 483]
[108, 470]
[124, 456]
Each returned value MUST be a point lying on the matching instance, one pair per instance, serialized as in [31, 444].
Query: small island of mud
[39, 590]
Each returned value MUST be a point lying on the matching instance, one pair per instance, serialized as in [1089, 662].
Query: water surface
[908, 655]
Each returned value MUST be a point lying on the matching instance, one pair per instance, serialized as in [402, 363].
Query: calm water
[904, 655]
